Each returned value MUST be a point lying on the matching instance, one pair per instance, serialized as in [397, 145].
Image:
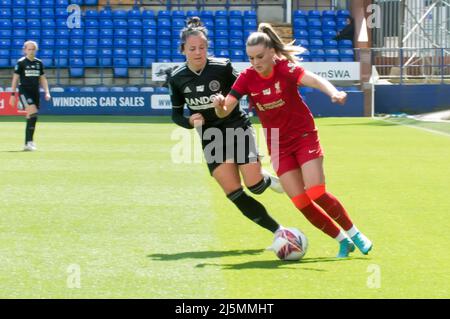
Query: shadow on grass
[274, 264]
[93, 119]
[205, 254]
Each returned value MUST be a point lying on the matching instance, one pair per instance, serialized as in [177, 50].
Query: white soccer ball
[289, 244]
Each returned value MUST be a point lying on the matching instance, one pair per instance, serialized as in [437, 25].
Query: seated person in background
[348, 32]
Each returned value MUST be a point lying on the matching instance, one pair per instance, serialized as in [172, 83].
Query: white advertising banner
[332, 71]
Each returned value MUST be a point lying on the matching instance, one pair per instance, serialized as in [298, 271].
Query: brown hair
[194, 26]
[267, 36]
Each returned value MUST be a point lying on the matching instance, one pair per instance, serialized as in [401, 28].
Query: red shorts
[306, 148]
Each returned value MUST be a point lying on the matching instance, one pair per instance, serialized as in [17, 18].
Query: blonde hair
[267, 36]
[30, 42]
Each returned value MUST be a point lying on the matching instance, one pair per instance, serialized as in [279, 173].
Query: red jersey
[277, 101]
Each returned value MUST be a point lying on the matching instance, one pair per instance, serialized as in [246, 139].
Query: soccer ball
[289, 244]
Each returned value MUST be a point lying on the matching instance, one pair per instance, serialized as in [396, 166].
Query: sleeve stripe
[236, 94]
[177, 106]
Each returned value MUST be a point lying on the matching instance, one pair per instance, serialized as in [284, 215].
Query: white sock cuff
[341, 236]
[352, 231]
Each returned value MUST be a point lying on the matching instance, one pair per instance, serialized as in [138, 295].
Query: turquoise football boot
[345, 247]
[362, 242]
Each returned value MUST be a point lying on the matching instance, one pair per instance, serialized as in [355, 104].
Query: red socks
[315, 215]
[331, 205]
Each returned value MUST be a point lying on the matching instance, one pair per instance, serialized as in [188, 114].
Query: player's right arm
[15, 81]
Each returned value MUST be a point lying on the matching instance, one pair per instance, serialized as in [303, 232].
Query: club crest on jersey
[267, 91]
[187, 90]
[200, 88]
[277, 87]
[214, 85]
[291, 67]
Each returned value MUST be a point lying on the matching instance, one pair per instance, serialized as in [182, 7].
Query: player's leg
[227, 175]
[31, 109]
[258, 179]
[314, 177]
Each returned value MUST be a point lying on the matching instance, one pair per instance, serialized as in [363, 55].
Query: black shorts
[222, 145]
[28, 97]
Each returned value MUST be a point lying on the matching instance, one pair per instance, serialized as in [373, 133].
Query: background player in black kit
[29, 73]
[194, 83]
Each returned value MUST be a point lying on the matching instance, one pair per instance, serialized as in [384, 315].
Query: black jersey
[196, 90]
[29, 72]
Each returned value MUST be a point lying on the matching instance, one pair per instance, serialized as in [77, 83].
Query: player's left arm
[44, 83]
[312, 80]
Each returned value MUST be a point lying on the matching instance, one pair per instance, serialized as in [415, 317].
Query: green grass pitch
[101, 211]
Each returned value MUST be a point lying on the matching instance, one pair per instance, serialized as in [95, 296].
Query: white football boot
[30, 147]
[275, 184]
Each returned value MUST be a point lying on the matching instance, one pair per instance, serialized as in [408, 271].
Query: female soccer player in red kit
[271, 84]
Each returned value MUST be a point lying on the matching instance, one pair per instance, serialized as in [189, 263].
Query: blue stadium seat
[91, 23]
[329, 34]
[332, 55]
[149, 43]
[300, 23]
[301, 34]
[164, 14]
[221, 23]
[175, 44]
[149, 56]
[119, 14]
[328, 24]
[134, 14]
[62, 33]
[164, 33]
[341, 24]
[134, 24]
[90, 2]
[119, 52]
[87, 89]
[235, 14]
[329, 14]
[120, 42]
[47, 13]
[221, 44]
[343, 13]
[250, 24]
[222, 53]
[48, 24]
[120, 33]
[91, 34]
[131, 89]
[90, 14]
[106, 24]
[236, 43]
[16, 23]
[314, 14]
[116, 89]
[178, 14]
[236, 23]
[299, 14]
[48, 3]
[315, 43]
[250, 14]
[101, 89]
[134, 43]
[208, 23]
[206, 14]
[72, 89]
[120, 23]
[76, 67]
[148, 14]
[238, 55]
[149, 23]
[6, 3]
[106, 34]
[221, 34]
[33, 13]
[120, 67]
[147, 89]
[303, 43]
[61, 23]
[76, 43]
[90, 57]
[6, 33]
[192, 13]
[105, 57]
[18, 33]
[221, 14]
[177, 23]
[48, 43]
[164, 23]
[315, 34]
[161, 90]
[342, 44]
[164, 43]
[236, 34]
[314, 24]
[346, 53]
[76, 33]
[329, 44]
[106, 42]
[5, 43]
[62, 42]
[105, 13]
[61, 13]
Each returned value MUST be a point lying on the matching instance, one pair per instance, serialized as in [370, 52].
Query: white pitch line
[416, 127]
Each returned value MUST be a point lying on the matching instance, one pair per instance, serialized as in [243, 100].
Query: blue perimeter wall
[130, 103]
[411, 99]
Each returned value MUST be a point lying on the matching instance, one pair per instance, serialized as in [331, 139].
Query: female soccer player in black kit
[228, 144]
[30, 71]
